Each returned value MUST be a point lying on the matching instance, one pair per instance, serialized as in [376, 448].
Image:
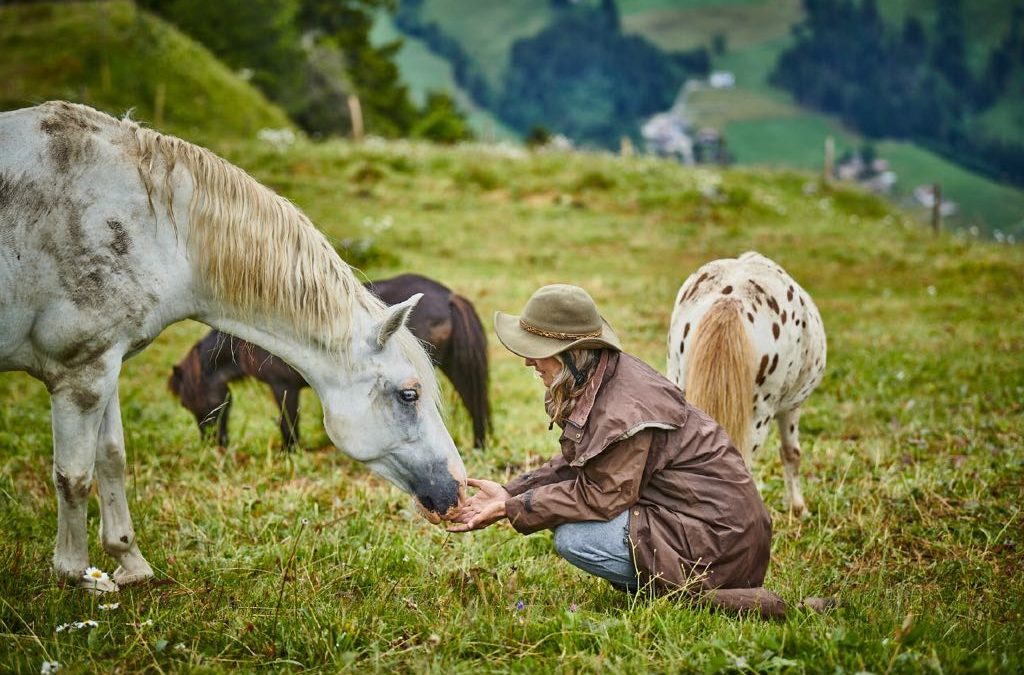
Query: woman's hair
[568, 385]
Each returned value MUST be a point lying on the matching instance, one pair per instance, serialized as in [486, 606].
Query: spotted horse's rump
[746, 344]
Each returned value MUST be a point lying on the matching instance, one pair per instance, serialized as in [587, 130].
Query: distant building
[668, 135]
[925, 196]
[722, 79]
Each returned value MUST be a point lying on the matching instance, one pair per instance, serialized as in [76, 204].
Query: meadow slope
[117, 57]
[913, 446]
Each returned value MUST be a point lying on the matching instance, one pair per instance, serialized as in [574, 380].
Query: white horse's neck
[316, 365]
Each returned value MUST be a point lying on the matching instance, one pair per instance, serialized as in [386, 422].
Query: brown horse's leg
[288, 402]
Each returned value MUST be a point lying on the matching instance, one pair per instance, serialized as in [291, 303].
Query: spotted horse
[746, 344]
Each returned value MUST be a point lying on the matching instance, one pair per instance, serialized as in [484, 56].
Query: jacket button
[636, 513]
[579, 436]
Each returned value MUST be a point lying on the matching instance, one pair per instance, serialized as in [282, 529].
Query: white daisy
[95, 574]
[106, 607]
[63, 627]
[49, 667]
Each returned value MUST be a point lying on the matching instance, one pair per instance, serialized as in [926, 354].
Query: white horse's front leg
[116, 532]
[789, 450]
[74, 456]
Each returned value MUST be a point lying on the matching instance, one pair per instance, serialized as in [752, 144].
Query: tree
[581, 77]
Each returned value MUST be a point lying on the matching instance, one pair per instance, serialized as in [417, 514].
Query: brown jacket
[632, 441]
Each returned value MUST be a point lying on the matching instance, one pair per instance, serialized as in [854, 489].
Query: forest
[905, 83]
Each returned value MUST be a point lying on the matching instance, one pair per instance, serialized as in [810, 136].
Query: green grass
[745, 24]
[718, 108]
[116, 58]
[797, 141]
[982, 202]
[913, 463]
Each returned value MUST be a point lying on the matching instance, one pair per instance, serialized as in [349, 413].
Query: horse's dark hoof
[819, 605]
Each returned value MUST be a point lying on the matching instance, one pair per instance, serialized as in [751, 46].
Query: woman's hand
[484, 508]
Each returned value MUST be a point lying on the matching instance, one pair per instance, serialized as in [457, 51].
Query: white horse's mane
[257, 252]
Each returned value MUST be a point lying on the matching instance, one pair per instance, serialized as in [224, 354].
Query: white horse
[110, 232]
[746, 344]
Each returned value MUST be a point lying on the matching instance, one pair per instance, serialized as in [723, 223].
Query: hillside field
[118, 58]
[763, 125]
[914, 472]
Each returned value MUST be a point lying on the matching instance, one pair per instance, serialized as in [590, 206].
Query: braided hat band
[555, 335]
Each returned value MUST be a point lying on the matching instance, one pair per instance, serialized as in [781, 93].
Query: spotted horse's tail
[720, 374]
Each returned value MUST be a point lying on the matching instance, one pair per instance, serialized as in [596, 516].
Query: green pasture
[983, 203]
[914, 472]
[798, 141]
[688, 25]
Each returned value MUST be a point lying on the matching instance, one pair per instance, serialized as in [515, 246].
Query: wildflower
[49, 667]
[574, 607]
[931, 290]
[95, 574]
[106, 607]
[88, 623]
[520, 605]
[63, 627]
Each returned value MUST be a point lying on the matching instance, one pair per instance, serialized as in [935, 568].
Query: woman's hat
[556, 318]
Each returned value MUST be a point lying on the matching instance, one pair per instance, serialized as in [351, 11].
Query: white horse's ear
[395, 319]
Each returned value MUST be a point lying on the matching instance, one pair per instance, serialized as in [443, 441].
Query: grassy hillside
[423, 72]
[115, 57]
[676, 26]
[763, 124]
[912, 445]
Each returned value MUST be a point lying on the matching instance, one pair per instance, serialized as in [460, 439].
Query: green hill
[762, 124]
[116, 57]
[266, 561]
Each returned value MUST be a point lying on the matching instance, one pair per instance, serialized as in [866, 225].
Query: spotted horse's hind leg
[789, 451]
[116, 532]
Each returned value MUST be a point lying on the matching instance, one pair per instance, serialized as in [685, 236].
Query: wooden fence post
[830, 153]
[626, 146]
[356, 112]
[936, 207]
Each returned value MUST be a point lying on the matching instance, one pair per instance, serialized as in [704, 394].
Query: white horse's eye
[408, 395]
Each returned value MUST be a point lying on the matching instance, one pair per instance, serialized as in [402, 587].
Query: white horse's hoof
[69, 571]
[98, 586]
[125, 578]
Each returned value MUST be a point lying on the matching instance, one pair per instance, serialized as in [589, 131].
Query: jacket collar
[581, 411]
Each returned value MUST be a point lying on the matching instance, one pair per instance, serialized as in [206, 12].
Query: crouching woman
[648, 492]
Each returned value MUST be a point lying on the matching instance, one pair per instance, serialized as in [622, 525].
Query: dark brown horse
[445, 321]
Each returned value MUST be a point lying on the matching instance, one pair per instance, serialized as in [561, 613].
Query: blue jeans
[600, 548]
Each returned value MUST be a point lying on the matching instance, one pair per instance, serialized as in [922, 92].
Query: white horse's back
[75, 280]
[775, 325]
